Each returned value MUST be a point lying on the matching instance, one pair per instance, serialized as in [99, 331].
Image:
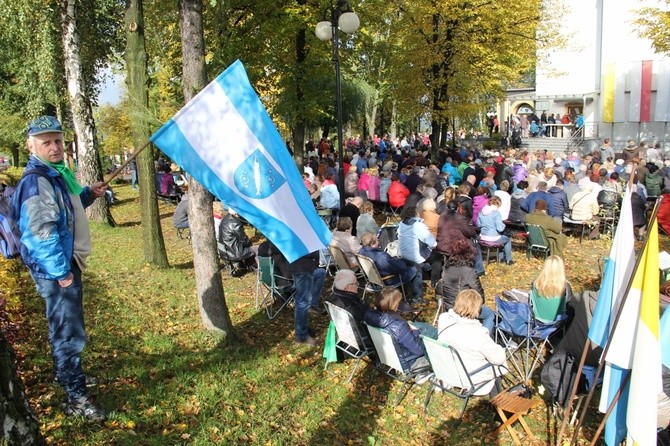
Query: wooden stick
[573, 391]
[610, 409]
[132, 157]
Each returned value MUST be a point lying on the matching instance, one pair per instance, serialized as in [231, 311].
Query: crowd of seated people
[450, 207]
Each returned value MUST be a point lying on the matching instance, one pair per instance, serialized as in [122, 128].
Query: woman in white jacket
[461, 329]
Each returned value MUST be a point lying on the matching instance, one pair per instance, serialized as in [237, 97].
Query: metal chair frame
[450, 373]
[537, 241]
[350, 339]
[342, 262]
[524, 337]
[372, 276]
[275, 298]
[390, 363]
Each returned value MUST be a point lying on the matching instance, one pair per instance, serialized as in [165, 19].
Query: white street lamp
[348, 22]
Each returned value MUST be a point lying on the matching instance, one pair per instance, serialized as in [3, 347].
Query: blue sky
[111, 90]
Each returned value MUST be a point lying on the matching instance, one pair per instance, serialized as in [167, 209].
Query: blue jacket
[45, 216]
[491, 223]
[558, 202]
[454, 176]
[386, 265]
[528, 205]
[406, 338]
[415, 239]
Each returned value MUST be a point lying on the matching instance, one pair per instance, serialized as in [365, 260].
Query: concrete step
[555, 145]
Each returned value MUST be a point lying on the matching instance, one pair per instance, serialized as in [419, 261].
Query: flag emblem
[256, 177]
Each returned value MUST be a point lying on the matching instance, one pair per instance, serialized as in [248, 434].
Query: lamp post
[342, 17]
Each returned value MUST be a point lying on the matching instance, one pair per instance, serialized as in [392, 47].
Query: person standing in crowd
[606, 150]
[308, 279]
[48, 207]
[133, 174]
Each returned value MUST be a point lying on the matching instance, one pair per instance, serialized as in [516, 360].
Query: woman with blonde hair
[461, 329]
[442, 205]
[550, 291]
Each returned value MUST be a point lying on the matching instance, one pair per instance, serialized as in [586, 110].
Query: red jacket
[397, 194]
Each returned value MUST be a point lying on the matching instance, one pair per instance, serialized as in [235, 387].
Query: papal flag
[645, 381]
[226, 140]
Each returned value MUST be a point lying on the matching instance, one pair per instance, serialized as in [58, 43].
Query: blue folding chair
[524, 337]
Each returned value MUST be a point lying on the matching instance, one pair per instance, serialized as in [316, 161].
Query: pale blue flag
[618, 273]
[226, 140]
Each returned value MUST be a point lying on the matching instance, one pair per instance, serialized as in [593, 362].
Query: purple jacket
[520, 173]
[478, 204]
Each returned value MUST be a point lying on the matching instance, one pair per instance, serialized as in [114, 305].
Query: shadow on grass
[184, 265]
[119, 202]
[355, 418]
[451, 430]
[129, 224]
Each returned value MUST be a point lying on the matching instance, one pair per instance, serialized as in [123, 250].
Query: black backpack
[558, 376]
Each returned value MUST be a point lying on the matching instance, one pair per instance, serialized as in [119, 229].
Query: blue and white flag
[226, 140]
[619, 268]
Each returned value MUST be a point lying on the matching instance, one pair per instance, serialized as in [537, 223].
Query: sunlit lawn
[168, 382]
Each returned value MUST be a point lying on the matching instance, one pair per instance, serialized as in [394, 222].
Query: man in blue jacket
[391, 266]
[48, 206]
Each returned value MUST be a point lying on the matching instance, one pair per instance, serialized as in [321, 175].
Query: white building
[606, 72]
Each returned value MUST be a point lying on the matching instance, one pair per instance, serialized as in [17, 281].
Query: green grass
[168, 382]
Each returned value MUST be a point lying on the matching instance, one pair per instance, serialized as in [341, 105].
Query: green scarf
[70, 179]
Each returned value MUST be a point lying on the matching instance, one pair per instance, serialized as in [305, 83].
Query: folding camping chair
[391, 363]
[374, 279]
[523, 335]
[537, 241]
[274, 297]
[350, 338]
[450, 374]
[342, 262]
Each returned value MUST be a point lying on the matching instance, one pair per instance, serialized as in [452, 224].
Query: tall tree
[137, 82]
[654, 24]
[19, 426]
[82, 112]
[211, 298]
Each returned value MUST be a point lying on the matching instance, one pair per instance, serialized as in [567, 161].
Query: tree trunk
[82, 113]
[19, 426]
[393, 123]
[211, 298]
[443, 133]
[137, 82]
[435, 132]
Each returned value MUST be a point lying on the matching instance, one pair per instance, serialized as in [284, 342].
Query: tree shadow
[128, 224]
[183, 265]
[356, 416]
[451, 430]
[118, 202]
